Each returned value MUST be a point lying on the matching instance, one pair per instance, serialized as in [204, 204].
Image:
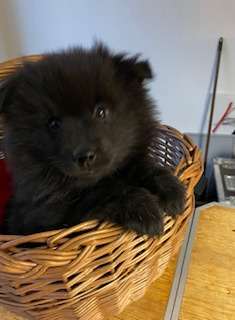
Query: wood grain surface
[210, 286]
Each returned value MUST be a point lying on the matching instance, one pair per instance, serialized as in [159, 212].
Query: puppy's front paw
[134, 209]
[169, 190]
[172, 196]
[143, 213]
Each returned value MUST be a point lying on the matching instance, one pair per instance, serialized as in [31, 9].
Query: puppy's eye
[100, 112]
[54, 123]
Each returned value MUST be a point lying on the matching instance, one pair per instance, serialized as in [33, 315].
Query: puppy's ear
[132, 68]
[101, 49]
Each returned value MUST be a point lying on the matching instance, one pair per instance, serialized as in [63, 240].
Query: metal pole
[219, 51]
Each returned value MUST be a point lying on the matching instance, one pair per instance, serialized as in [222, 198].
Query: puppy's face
[80, 111]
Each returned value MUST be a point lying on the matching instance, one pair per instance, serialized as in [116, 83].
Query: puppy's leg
[161, 182]
[131, 207]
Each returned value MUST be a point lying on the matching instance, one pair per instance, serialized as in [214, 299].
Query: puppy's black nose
[84, 158]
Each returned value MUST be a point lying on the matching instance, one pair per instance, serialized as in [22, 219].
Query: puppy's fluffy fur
[78, 126]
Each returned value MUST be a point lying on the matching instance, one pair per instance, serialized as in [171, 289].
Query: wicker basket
[93, 270]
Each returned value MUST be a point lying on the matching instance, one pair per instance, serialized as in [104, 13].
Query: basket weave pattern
[93, 270]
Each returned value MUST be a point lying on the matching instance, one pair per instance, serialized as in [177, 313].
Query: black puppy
[78, 125]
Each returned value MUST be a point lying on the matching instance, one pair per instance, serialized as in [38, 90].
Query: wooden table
[210, 283]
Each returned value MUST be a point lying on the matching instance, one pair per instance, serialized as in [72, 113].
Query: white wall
[178, 36]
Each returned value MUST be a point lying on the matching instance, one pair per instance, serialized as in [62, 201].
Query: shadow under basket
[94, 270]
